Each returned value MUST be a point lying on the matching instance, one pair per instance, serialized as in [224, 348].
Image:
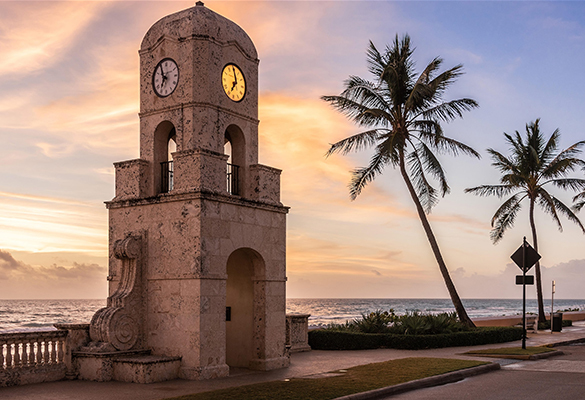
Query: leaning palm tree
[403, 114]
[532, 165]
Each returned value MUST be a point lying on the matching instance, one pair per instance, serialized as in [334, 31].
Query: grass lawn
[511, 352]
[353, 380]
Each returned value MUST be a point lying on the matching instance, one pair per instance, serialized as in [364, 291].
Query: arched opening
[242, 265]
[165, 143]
[234, 147]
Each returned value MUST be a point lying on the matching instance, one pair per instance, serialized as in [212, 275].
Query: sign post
[552, 306]
[525, 257]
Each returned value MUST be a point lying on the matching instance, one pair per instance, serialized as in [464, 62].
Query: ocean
[31, 315]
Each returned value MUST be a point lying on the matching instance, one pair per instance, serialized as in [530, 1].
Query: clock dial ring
[165, 77]
[233, 82]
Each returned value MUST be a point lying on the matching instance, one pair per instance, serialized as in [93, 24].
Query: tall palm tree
[532, 165]
[404, 114]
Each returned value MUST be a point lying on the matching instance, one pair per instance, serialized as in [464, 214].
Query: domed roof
[199, 22]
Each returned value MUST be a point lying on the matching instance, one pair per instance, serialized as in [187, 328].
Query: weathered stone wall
[190, 238]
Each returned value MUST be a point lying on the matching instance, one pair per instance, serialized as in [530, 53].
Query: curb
[546, 355]
[567, 342]
[437, 380]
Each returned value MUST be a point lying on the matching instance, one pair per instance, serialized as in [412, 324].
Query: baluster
[9, 355]
[39, 357]
[16, 360]
[46, 351]
[24, 356]
[31, 352]
[54, 351]
[2, 354]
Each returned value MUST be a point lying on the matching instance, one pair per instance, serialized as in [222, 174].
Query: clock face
[166, 77]
[233, 82]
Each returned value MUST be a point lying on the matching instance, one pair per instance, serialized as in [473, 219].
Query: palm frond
[440, 83]
[433, 166]
[362, 176]
[561, 167]
[491, 190]
[426, 193]
[444, 144]
[355, 111]
[579, 201]
[551, 146]
[546, 202]
[422, 93]
[574, 184]
[567, 212]
[450, 110]
[503, 163]
[356, 142]
[504, 217]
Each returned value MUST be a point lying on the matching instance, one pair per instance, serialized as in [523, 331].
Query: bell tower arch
[198, 206]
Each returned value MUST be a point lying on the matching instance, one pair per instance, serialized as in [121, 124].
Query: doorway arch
[242, 266]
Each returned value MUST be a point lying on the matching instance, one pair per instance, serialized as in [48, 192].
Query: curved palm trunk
[463, 317]
[541, 316]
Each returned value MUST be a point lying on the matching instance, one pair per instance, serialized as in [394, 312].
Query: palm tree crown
[532, 165]
[404, 114]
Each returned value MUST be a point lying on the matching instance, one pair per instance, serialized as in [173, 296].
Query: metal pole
[524, 294]
[552, 305]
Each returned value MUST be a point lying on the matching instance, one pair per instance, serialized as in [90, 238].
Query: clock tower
[196, 230]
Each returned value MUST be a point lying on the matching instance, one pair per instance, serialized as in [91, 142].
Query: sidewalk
[302, 364]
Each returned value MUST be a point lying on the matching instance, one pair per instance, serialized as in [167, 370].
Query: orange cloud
[44, 224]
[35, 35]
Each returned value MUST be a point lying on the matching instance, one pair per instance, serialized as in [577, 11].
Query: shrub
[414, 323]
[375, 322]
[326, 339]
[427, 324]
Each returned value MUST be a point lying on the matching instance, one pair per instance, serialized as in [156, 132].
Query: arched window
[167, 169]
[232, 169]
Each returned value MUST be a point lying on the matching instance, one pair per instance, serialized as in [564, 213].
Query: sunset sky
[69, 95]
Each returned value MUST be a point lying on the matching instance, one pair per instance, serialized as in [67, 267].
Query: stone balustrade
[26, 349]
[32, 357]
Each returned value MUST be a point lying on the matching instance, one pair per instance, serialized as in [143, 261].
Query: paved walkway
[302, 364]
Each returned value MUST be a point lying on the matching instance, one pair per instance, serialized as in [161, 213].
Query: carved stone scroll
[119, 324]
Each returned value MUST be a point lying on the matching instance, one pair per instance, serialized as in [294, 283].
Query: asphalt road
[561, 377]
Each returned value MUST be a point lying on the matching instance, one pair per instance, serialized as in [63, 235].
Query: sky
[69, 100]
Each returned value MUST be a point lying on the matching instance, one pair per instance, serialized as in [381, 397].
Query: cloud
[37, 35]
[19, 280]
[42, 224]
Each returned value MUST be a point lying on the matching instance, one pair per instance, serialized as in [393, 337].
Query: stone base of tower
[270, 364]
[200, 373]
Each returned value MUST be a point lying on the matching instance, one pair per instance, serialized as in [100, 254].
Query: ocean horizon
[32, 315]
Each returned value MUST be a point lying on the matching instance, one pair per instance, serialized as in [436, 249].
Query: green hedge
[323, 339]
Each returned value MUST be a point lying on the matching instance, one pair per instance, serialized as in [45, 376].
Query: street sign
[524, 279]
[530, 258]
[525, 257]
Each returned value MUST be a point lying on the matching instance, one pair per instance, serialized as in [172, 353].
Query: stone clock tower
[196, 230]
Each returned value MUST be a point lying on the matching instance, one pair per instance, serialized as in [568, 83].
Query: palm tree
[404, 114]
[532, 165]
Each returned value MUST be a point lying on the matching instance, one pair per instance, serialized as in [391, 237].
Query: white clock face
[166, 77]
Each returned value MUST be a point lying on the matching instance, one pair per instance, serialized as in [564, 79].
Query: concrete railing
[29, 349]
[42, 356]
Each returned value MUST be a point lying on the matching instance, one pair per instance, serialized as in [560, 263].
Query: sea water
[30, 315]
